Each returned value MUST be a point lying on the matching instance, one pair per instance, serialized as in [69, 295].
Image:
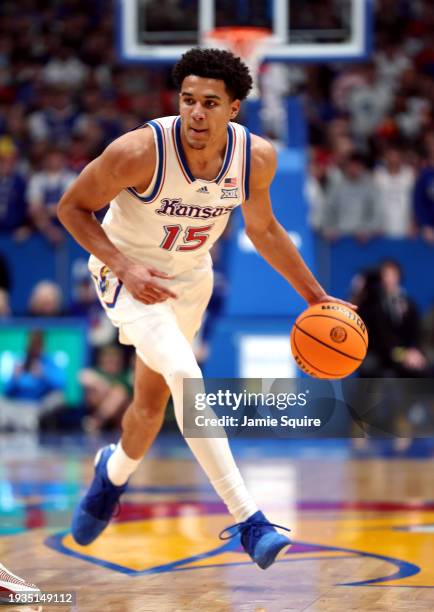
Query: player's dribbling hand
[330, 298]
[140, 282]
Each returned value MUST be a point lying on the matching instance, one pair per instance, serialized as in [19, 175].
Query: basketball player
[172, 185]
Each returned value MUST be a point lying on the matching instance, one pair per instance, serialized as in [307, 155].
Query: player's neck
[205, 163]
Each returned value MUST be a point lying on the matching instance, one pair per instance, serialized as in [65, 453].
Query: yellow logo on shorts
[103, 280]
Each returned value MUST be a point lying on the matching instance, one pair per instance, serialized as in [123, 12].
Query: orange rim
[240, 39]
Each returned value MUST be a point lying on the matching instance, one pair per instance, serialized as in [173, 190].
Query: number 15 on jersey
[193, 238]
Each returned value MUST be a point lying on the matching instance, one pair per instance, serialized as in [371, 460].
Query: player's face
[205, 108]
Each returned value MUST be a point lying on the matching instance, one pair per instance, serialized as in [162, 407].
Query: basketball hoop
[248, 43]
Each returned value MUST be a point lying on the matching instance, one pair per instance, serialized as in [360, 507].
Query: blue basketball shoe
[259, 539]
[97, 507]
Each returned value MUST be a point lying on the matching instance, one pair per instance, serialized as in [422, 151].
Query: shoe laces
[253, 529]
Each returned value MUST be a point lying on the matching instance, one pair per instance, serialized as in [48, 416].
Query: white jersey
[174, 224]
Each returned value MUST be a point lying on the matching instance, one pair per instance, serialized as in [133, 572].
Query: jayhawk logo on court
[159, 542]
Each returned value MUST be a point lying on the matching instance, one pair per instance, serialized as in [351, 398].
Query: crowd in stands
[64, 96]
[371, 133]
[371, 174]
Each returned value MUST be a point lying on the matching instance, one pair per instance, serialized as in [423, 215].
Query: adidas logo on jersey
[203, 189]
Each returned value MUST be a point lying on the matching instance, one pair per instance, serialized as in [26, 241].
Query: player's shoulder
[263, 161]
[262, 149]
[132, 145]
[131, 151]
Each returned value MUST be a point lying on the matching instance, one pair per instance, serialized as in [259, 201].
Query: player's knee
[149, 405]
[150, 408]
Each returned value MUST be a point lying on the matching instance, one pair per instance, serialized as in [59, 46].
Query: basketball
[329, 340]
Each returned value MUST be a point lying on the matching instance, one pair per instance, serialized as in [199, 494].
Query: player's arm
[269, 238]
[128, 161]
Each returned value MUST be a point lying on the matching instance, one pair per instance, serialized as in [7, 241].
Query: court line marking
[405, 569]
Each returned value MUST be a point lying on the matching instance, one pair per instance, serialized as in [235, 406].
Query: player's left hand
[330, 298]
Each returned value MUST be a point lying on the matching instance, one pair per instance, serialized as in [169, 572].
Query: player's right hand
[329, 298]
[140, 282]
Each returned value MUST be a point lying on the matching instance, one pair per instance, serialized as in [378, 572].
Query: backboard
[159, 31]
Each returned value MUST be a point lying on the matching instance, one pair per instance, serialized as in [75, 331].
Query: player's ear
[235, 108]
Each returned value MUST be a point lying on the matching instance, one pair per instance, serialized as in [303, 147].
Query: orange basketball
[329, 340]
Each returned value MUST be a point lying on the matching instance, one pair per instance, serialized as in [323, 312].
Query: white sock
[120, 466]
[232, 490]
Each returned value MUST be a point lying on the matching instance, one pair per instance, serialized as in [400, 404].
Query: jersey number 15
[193, 238]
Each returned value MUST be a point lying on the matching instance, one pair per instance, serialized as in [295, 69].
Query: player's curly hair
[215, 64]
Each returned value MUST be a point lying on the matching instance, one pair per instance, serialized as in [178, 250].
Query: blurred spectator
[391, 62]
[351, 203]
[343, 86]
[100, 116]
[393, 324]
[412, 108]
[15, 128]
[44, 192]
[57, 118]
[65, 68]
[5, 309]
[424, 193]
[369, 103]
[275, 85]
[315, 191]
[109, 119]
[36, 376]
[13, 185]
[45, 300]
[394, 182]
[342, 147]
[92, 133]
[78, 154]
[107, 388]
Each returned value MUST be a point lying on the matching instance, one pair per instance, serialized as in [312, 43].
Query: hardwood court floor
[363, 531]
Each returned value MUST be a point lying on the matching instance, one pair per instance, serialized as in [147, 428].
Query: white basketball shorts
[193, 288]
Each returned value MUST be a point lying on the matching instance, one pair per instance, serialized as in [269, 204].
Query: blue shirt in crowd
[13, 206]
[424, 198]
[36, 382]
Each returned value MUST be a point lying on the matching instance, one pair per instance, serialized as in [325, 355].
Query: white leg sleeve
[162, 346]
